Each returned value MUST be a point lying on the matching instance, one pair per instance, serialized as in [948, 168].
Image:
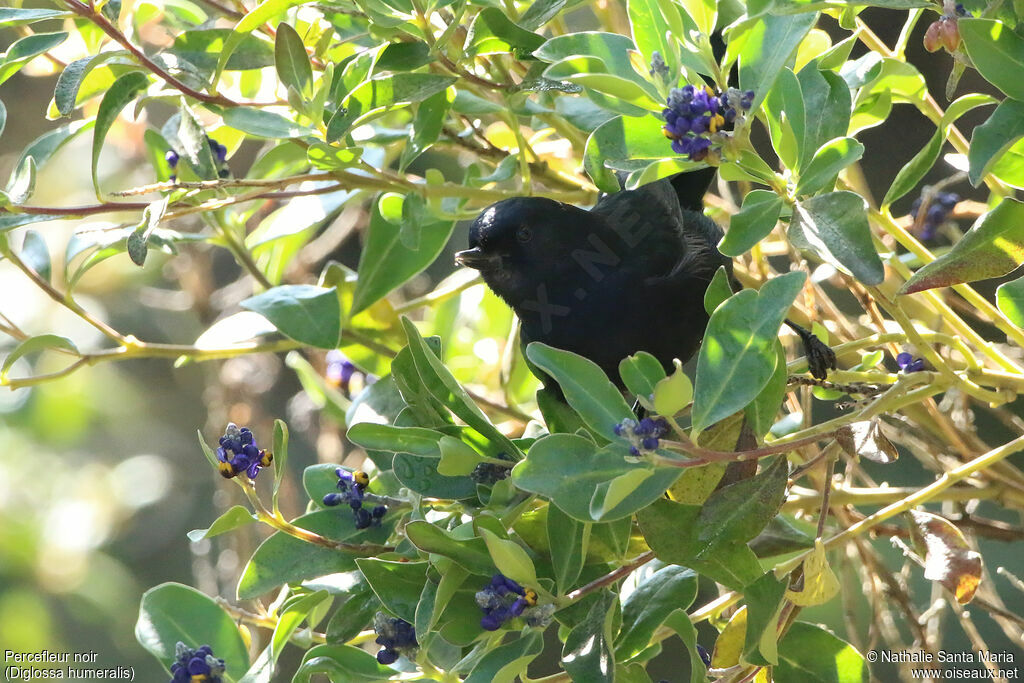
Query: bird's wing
[699, 257]
[649, 210]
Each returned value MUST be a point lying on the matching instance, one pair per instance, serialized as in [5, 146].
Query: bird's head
[518, 237]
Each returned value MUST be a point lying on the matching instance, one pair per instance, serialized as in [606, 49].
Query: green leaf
[305, 313]
[38, 343]
[36, 254]
[766, 47]
[673, 393]
[996, 51]
[505, 663]
[469, 553]
[285, 559]
[1010, 299]
[290, 618]
[397, 584]
[826, 164]
[457, 457]
[235, 517]
[835, 227]
[764, 604]
[575, 475]
[280, 456]
[586, 387]
[827, 98]
[331, 158]
[752, 223]
[679, 621]
[387, 263]
[740, 511]
[261, 14]
[787, 118]
[762, 411]
[382, 94]
[421, 475]
[653, 33]
[446, 389]
[124, 90]
[356, 608]
[916, 169]
[494, 33]
[15, 16]
[46, 145]
[414, 440]
[737, 358]
[187, 136]
[704, 14]
[568, 540]
[640, 373]
[171, 613]
[810, 653]
[264, 124]
[541, 12]
[670, 530]
[427, 125]
[510, 558]
[24, 50]
[718, 291]
[292, 61]
[620, 139]
[65, 93]
[587, 654]
[137, 243]
[991, 140]
[22, 183]
[203, 48]
[612, 49]
[658, 595]
[341, 664]
[993, 247]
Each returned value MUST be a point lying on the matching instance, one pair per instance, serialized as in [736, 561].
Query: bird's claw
[820, 357]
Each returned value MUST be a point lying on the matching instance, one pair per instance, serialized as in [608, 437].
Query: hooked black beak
[476, 258]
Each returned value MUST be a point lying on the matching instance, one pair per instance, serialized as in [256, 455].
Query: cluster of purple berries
[196, 666]
[395, 636]
[939, 208]
[238, 452]
[644, 435]
[694, 114]
[352, 490]
[220, 156]
[907, 363]
[503, 600]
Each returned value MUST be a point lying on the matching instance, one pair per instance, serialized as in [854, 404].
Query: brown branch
[97, 18]
[611, 577]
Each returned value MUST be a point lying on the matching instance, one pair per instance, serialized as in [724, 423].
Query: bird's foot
[820, 356]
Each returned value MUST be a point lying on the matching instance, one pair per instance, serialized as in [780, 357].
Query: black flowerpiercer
[628, 275]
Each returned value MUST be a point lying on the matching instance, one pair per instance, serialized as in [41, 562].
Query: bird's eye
[523, 234]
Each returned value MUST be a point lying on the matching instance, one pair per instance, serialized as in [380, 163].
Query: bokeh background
[100, 472]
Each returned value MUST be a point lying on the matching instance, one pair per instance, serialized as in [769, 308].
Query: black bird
[628, 275]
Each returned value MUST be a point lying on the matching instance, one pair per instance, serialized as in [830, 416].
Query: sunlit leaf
[993, 247]
[819, 582]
